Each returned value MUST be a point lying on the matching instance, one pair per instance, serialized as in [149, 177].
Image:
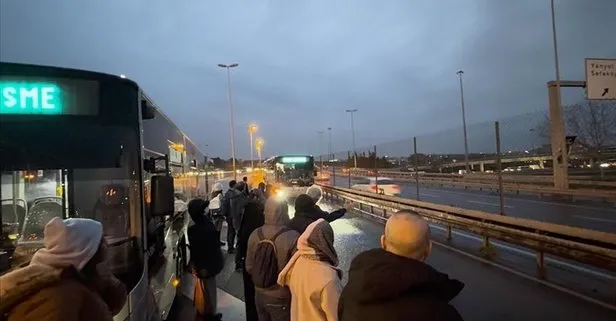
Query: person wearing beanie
[307, 211]
[68, 279]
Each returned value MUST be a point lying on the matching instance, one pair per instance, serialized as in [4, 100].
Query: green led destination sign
[27, 95]
[38, 98]
[294, 160]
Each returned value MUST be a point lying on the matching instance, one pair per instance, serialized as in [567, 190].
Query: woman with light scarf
[312, 275]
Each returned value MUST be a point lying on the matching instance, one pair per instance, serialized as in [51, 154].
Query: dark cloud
[303, 62]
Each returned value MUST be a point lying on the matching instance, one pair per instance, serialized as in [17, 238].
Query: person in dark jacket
[306, 212]
[246, 188]
[226, 211]
[205, 254]
[252, 219]
[416, 291]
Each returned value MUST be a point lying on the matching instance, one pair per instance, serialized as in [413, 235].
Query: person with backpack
[269, 249]
[206, 258]
[251, 220]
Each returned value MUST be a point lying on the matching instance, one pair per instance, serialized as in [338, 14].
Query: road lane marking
[429, 195]
[516, 199]
[595, 219]
[491, 204]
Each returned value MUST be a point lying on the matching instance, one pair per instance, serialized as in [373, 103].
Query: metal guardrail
[605, 195]
[589, 247]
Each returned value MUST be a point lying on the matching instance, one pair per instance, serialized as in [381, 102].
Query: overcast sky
[302, 63]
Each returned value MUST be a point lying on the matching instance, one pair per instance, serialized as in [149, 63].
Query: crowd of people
[289, 266]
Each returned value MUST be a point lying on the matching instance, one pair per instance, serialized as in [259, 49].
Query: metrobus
[77, 143]
[292, 174]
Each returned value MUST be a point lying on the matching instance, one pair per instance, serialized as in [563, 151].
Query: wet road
[585, 214]
[490, 293]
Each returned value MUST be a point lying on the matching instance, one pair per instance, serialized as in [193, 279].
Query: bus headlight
[280, 193]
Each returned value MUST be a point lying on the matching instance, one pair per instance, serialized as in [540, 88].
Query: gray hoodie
[276, 218]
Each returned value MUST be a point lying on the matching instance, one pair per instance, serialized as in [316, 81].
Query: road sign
[601, 79]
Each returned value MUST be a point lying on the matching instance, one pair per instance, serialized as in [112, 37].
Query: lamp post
[231, 120]
[352, 111]
[467, 166]
[329, 144]
[259, 146]
[252, 128]
[321, 147]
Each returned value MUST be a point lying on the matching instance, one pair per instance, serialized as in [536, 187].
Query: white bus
[83, 144]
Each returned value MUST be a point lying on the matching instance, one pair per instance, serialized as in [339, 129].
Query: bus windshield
[94, 174]
[295, 170]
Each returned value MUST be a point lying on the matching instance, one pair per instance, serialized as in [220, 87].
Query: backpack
[265, 267]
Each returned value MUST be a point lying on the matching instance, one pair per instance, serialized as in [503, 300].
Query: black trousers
[231, 232]
[249, 297]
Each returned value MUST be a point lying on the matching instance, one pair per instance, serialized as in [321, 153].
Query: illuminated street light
[252, 128]
[259, 146]
[231, 125]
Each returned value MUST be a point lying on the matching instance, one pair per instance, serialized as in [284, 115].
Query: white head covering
[314, 192]
[73, 241]
[217, 187]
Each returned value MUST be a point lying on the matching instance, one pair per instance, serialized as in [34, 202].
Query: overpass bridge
[502, 287]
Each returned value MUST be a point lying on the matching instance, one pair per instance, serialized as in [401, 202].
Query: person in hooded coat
[68, 280]
[306, 212]
[206, 258]
[312, 275]
[401, 286]
[252, 219]
[274, 303]
[234, 203]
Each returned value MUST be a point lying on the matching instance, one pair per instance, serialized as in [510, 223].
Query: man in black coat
[306, 212]
[393, 283]
[206, 258]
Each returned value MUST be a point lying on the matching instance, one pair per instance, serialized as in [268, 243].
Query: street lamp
[321, 147]
[231, 121]
[329, 144]
[252, 128]
[352, 111]
[259, 146]
[468, 169]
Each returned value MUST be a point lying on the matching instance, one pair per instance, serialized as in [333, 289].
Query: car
[382, 185]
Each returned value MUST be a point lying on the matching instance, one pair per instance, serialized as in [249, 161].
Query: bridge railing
[594, 248]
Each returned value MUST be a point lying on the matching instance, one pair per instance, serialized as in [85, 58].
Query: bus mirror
[147, 110]
[162, 196]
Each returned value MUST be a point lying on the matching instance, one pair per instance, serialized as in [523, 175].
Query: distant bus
[293, 174]
[76, 143]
